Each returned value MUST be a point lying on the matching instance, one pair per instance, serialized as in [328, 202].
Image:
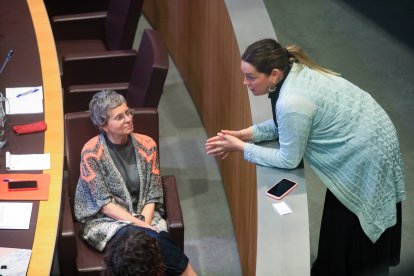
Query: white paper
[26, 104]
[15, 215]
[282, 208]
[27, 162]
[16, 259]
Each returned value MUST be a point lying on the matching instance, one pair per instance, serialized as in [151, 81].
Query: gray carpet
[209, 237]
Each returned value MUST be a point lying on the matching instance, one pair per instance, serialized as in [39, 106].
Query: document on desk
[27, 162]
[282, 208]
[15, 215]
[24, 100]
[15, 259]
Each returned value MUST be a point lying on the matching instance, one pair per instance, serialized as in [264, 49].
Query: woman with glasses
[119, 188]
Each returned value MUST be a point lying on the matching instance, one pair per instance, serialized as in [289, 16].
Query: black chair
[75, 256]
[64, 7]
[97, 32]
[142, 85]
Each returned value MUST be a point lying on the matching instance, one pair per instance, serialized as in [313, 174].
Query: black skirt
[344, 248]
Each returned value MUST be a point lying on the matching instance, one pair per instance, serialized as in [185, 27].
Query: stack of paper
[15, 215]
[24, 100]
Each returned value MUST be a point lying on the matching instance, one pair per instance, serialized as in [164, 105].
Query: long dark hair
[267, 54]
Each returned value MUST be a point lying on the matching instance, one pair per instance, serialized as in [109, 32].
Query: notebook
[42, 192]
[27, 162]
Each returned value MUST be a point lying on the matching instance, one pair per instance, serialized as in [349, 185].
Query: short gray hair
[101, 105]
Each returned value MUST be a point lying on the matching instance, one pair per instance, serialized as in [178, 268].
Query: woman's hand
[148, 212]
[243, 134]
[213, 148]
[227, 141]
[116, 212]
[222, 144]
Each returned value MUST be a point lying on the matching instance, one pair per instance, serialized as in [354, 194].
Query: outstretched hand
[225, 142]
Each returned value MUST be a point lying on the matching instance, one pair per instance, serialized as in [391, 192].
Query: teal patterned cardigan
[346, 138]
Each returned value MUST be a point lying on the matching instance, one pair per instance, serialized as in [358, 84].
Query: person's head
[265, 62]
[135, 253]
[110, 113]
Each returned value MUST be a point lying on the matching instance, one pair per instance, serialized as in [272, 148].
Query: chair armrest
[67, 240]
[67, 220]
[174, 216]
[79, 26]
[99, 67]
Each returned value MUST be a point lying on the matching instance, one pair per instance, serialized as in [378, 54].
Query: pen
[8, 57]
[28, 92]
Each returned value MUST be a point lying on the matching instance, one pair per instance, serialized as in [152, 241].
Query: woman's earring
[271, 89]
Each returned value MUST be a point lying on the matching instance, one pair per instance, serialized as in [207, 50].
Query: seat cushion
[69, 47]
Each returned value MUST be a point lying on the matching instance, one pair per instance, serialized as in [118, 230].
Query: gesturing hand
[222, 144]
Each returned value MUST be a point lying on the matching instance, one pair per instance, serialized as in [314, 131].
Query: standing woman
[347, 139]
[119, 190]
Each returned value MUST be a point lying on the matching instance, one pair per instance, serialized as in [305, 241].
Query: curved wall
[201, 40]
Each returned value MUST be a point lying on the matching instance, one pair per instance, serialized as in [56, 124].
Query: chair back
[79, 130]
[149, 72]
[121, 23]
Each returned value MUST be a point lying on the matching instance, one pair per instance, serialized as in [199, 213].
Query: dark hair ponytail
[267, 54]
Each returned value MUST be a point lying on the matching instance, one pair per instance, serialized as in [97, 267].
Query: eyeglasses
[122, 116]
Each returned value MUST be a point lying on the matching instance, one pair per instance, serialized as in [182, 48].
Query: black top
[275, 94]
[126, 163]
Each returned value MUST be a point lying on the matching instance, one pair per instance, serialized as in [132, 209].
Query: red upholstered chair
[142, 82]
[75, 255]
[91, 33]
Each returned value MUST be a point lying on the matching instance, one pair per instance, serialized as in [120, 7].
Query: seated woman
[119, 187]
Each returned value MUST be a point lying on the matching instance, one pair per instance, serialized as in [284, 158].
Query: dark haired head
[134, 253]
[266, 55]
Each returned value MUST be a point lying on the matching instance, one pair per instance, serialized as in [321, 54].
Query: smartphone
[282, 188]
[22, 185]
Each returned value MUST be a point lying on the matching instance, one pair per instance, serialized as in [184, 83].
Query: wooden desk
[48, 217]
[46, 229]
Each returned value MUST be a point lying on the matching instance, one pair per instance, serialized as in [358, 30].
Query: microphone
[8, 57]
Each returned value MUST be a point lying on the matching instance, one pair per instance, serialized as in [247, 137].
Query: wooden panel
[48, 217]
[201, 40]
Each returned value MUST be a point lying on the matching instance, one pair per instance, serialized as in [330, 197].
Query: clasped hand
[225, 142]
